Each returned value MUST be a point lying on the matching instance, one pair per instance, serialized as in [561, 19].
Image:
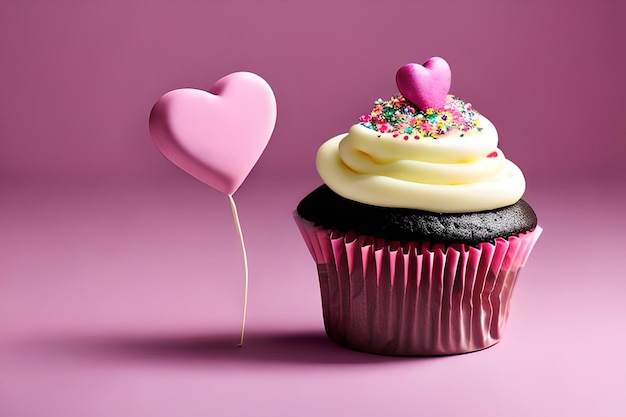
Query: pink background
[121, 277]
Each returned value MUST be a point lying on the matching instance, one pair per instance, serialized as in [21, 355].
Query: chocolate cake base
[327, 209]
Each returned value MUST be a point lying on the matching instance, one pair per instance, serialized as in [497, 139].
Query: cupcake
[419, 231]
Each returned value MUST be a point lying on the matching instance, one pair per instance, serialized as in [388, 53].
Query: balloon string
[233, 207]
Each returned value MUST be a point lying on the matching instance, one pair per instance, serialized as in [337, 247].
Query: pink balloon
[216, 136]
[425, 85]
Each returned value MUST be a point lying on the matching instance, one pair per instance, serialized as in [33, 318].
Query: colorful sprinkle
[399, 117]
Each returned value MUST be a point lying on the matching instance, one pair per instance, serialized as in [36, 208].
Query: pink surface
[121, 277]
[216, 136]
[121, 301]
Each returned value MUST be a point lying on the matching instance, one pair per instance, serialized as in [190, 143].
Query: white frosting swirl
[456, 173]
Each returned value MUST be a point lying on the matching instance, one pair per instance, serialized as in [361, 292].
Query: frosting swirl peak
[461, 170]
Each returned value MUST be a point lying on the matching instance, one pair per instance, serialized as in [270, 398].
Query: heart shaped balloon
[425, 85]
[216, 136]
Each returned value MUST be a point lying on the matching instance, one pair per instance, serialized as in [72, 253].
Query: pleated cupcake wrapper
[417, 298]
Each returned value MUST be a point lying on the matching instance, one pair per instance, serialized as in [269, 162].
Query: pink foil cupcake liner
[389, 298]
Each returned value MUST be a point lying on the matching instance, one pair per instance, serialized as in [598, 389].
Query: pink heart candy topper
[425, 85]
[216, 136]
